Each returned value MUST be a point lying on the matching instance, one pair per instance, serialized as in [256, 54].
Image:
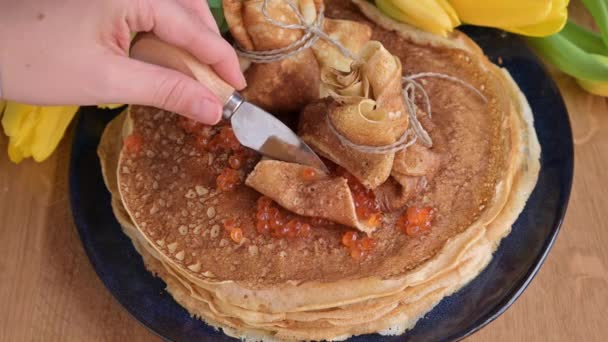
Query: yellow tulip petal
[14, 153]
[15, 115]
[110, 106]
[389, 9]
[50, 129]
[554, 23]
[450, 11]
[543, 29]
[2, 106]
[502, 13]
[594, 87]
[428, 12]
[24, 136]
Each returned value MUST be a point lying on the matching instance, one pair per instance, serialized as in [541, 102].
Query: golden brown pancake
[478, 175]
[468, 134]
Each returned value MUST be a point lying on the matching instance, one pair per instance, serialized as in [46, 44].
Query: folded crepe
[283, 86]
[351, 35]
[366, 108]
[287, 85]
[319, 196]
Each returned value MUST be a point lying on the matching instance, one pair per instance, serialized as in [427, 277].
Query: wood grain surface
[49, 291]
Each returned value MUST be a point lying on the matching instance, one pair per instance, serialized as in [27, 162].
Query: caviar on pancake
[309, 174]
[236, 233]
[366, 205]
[217, 140]
[228, 179]
[133, 143]
[270, 219]
[416, 221]
[359, 247]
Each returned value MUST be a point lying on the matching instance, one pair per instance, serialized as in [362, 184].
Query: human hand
[56, 52]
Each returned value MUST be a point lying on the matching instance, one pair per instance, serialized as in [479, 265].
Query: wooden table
[49, 291]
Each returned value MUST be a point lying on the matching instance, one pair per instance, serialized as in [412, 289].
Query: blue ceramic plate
[515, 263]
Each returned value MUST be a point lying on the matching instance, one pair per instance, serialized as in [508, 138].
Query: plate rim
[508, 300]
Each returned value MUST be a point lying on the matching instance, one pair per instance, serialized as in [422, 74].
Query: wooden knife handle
[149, 48]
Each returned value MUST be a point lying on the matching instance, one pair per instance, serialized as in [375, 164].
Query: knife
[252, 126]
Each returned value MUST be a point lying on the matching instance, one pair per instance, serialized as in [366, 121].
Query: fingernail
[243, 82]
[208, 112]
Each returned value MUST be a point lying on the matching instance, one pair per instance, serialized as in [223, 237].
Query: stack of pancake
[310, 288]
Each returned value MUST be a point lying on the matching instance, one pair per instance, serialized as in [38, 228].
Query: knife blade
[253, 127]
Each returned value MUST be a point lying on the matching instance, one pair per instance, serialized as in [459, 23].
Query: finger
[134, 82]
[173, 24]
[201, 9]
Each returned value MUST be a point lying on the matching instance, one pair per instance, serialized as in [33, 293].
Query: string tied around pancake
[416, 131]
[312, 33]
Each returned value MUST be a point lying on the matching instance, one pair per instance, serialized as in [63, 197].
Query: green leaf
[599, 11]
[215, 3]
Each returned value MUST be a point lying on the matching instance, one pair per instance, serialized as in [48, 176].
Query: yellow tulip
[18, 123]
[2, 105]
[35, 131]
[450, 11]
[536, 18]
[594, 87]
[419, 14]
[555, 22]
[51, 127]
[501, 13]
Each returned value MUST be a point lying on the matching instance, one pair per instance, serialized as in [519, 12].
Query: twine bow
[312, 33]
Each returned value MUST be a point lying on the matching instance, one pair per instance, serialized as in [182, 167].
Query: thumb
[135, 82]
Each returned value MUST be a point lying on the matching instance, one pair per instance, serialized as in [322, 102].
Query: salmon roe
[416, 221]
[236, 235]
[278, 223]
[366, 205]
[133, 143]
[228, 179]
[225, 140]
[235, 161]
[221, 141]
[359, 248]
[309, 174]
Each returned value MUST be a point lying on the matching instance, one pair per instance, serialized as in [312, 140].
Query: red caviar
[134, 143]
[366, 206]
[228, 179]
[367, 244]
[349, 238]
[358, 247]
[416, 221]
[309, 174]
[236, 235]
[225, 140]
[235, 161]
[357, 253]
[278, 223]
